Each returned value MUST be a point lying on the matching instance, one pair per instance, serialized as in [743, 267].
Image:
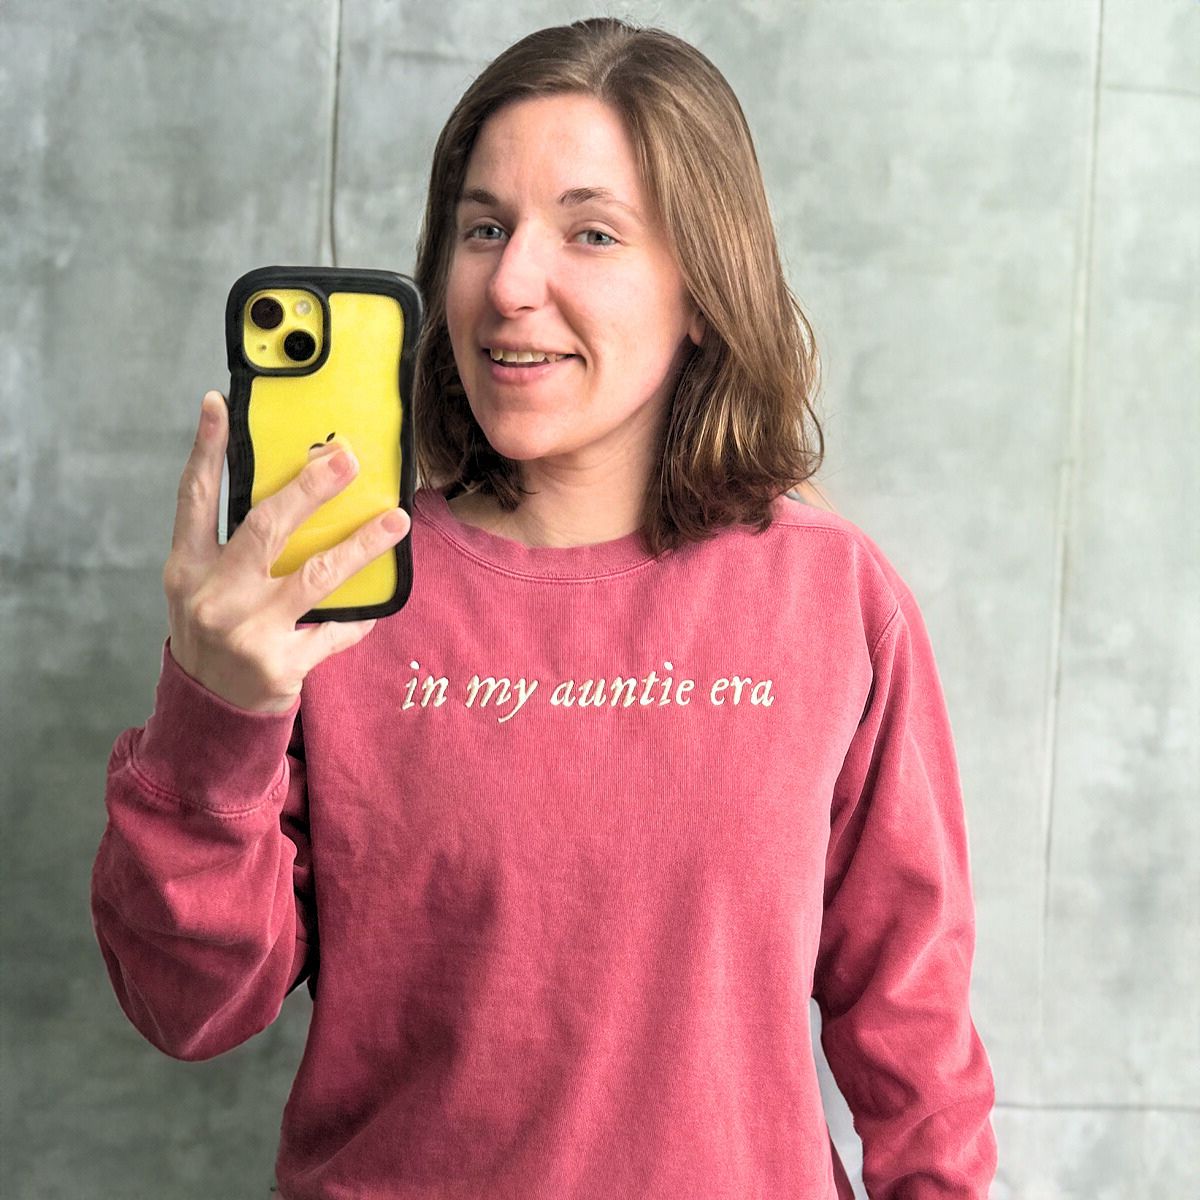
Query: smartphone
[318, 353]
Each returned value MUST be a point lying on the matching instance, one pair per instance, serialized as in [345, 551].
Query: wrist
[225, 690]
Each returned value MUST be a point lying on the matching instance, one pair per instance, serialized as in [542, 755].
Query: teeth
[523, 356]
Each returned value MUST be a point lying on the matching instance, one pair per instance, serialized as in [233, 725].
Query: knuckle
[205, 615]
[339, 638]
[318, 573]
[193, 487]
[314, 479]
[173, 576]
[261, 526]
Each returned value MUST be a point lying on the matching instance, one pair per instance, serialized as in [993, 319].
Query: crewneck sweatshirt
[562, 850]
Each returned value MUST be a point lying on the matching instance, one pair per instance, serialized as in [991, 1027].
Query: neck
[562, 509]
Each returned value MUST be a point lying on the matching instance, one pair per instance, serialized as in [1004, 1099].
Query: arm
[897, 941]
[201, 889]
[202, 886]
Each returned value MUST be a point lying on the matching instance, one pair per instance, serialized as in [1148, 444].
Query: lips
[501, 372]
[544, 356]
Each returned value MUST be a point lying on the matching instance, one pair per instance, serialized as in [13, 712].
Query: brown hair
[735, 435]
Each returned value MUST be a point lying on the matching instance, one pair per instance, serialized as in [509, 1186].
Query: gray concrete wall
[989, 211]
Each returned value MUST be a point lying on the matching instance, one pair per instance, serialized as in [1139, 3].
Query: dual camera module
[267, 313]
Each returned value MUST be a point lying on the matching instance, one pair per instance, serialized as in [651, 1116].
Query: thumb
[324, 639]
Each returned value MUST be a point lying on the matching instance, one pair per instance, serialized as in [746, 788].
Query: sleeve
[201, 890]
[898, 937]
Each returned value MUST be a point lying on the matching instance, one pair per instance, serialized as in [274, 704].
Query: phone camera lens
[299, 346]
[266, 312]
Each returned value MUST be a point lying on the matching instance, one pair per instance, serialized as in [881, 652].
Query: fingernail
[343, 463]
[393, 521]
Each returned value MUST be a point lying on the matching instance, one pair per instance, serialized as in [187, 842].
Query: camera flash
[303, 308]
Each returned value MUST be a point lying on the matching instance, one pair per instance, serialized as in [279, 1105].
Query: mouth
[523, 357]
[529, 371]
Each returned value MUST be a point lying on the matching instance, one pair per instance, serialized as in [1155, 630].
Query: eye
[470, 235]
[612, 241]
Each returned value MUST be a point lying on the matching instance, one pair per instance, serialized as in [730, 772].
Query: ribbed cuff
[200, 748]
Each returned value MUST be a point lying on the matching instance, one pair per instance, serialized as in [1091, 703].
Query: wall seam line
[331, 191]
[1068, 493]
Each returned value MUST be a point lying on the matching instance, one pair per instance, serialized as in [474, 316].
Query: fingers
[328, 570]
[259, 540]
[195, 530]
[323, 448]
[315, 643]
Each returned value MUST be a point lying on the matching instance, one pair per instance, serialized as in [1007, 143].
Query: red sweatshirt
[562, 850]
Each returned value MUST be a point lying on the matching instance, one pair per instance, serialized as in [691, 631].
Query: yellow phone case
[317, 353]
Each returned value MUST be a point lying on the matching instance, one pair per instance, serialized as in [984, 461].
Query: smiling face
[557, 250]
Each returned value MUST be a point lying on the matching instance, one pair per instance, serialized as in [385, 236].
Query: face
[557, 252]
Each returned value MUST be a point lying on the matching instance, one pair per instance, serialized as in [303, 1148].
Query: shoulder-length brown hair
[736, 433]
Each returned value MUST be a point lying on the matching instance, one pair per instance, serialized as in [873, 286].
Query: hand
[233, 625]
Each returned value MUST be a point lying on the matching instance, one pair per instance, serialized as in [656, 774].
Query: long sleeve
[898, 937]
[201, 891]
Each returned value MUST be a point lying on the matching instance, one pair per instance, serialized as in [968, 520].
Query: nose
[519, 279]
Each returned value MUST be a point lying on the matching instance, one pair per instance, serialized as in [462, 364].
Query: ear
[698, 327]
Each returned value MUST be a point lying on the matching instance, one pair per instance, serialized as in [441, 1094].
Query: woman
[652, 754]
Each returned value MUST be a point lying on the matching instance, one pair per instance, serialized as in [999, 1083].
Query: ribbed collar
[538, 562]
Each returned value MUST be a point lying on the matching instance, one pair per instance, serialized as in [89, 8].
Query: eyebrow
[569, 199]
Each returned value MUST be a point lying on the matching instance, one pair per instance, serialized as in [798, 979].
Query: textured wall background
[988, 209]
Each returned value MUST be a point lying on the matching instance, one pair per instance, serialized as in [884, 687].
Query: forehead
[549, 143]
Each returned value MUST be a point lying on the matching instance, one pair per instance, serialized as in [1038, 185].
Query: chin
[519, 436]
[520, 449]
